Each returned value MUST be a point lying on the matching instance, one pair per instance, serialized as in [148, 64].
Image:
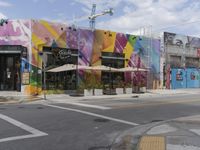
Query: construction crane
[3, 21]
[93, 15]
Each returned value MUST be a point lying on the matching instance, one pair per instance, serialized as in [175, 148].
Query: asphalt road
[70, 127]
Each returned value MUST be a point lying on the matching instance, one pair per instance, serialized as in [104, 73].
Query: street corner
[130, 139]
[8, 100]
[18, 100]
[181, 133]
[30, 99]
[187, 136]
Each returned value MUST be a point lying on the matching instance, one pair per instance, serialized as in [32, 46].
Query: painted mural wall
[43, 34]
[185, 78]
[18, 32]
[92, 44]
[136, 50]
[181, 40]
[35, 34]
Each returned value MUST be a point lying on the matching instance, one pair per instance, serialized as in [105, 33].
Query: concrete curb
[18, 100]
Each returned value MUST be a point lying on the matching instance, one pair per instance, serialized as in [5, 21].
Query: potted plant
[120, 86]
[98, 89]
[128, 88]
[86, 86]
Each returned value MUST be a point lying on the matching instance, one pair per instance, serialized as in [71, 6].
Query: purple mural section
[72, 35]
[82, 40]
[16, 33]
[85, 46]
[120, 42]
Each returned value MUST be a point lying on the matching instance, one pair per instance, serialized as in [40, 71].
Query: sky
[130, 16]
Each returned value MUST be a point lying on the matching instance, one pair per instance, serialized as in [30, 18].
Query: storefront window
[65, 80]
[115, 60]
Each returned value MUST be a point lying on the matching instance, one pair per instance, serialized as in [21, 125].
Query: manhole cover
[135, 96]
[40, 107]
[21, 107]
[101, 120]
[99, 148]
[156, 120]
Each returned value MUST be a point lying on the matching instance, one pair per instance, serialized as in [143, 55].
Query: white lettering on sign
[64, 54]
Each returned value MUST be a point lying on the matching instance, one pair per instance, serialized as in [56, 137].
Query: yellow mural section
[108, 41]
[38, 44]
[43, 34]
[104, 41]
[54, 33]
[128, 50]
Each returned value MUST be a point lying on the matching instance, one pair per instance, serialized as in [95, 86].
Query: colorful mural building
[182, 61]
[30, 48]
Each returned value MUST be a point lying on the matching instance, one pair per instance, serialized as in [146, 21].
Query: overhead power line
[177, 25]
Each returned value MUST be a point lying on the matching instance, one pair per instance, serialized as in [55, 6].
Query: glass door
[9, 72]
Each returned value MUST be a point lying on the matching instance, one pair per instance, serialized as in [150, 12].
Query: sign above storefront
[63, 53]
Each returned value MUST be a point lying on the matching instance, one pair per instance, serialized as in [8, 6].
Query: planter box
[119, 90]
[143, 89]
[129, 91]
[88, 92]
[98, 92]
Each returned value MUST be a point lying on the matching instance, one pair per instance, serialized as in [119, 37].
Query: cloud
[131, 15]
[2, 16]
[100, 4]
[5, 4]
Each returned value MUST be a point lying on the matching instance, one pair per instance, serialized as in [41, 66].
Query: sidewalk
[149, 93]
[179, 134]
[16, 97]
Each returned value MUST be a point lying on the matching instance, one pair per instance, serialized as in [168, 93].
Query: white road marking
[93, 114]
[34, 132]
[91, 106]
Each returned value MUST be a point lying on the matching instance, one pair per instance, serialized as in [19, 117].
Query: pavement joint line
[156, 103]
[34, 132]
[88, 105]
[94, 114]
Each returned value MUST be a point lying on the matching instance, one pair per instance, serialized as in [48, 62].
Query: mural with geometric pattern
[35, 34]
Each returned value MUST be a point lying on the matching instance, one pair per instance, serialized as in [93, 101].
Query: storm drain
[101, 120]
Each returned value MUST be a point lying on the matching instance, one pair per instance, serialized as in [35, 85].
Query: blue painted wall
[178, 77]
[192, 78]
[185, 78]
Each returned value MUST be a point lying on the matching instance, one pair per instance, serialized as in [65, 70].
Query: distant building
[182, 61]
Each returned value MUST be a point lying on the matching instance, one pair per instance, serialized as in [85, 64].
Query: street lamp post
[44, 80]
[139, 80]
[44, 60]
[74, 29]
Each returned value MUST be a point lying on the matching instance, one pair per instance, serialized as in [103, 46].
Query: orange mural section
[104, 41]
